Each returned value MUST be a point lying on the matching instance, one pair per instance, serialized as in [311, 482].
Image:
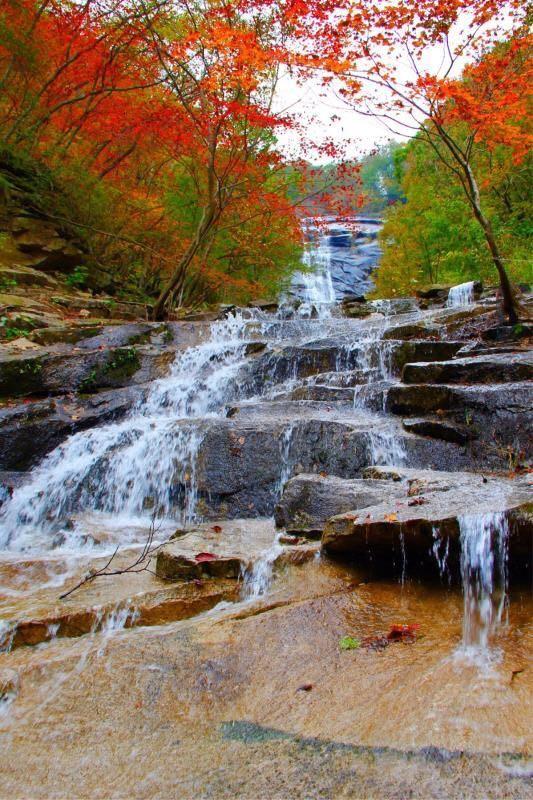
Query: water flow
[315, 284]
[484, 548]
[258, 576]
[142, 464]
[385, 446]
[461, 295]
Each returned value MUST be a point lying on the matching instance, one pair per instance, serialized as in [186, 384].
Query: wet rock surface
[224, 648]
[412, 532]
[499, 368]
[309, 500]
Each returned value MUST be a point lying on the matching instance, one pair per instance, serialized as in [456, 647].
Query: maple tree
[393, 47]
[163, 110]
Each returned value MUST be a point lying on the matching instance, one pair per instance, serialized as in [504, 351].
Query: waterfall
[484, 547]
[314, 285]
[258, 576]
[384, 444]
[143, 464]
[461, 295]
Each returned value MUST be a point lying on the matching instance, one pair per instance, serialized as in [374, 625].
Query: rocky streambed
[320, 536]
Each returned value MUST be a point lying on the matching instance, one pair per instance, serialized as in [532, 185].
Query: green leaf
[349, 643]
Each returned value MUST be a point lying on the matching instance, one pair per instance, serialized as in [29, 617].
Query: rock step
[329, 355]
[440, 429]
[28, 431]
[515, 397]
[498, 368]
[495, 416]
[152, 608]
[422, 531]
[61, 373]
[309, 500]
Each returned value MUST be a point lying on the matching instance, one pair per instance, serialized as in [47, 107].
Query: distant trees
[434, 238]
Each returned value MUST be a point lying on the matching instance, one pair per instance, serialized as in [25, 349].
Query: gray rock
[85, 371]
[426, 351]
[420, 398]
[29, 431]
[413, 330]
[440, 429]
[482, 369]
[309, 500]
[411, 535]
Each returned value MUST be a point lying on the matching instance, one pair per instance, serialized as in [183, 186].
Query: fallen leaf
[417, 501]
[217, 528]
[391, 517]
[241, 440]
[201, 557]
[305, 687]
[349, 643]
[402, 633]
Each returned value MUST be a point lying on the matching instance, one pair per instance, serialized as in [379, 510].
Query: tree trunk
[197, 245]
[509, 303]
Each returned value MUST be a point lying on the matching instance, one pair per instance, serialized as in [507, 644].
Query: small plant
[7, 283]
[125, 360]
[349, 643]
[10, 332]
[77, 278]
[88, 382]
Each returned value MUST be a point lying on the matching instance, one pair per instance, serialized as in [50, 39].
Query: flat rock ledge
[173, 565]
[419, 528]
[309, 500]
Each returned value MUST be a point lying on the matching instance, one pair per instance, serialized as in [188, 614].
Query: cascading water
[258, 576]
[461, 295]
[484, 548]
[315, 284]
[375, 355]
[146, 462]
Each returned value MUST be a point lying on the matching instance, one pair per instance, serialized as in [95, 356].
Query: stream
[110, 709]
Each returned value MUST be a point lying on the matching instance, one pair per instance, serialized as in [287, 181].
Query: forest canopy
[148, 131]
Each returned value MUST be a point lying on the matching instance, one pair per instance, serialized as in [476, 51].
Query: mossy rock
[68, 335]
[122, 363]
[19, 377]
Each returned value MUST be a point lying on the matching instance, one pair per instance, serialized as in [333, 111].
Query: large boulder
[424, 528]
[309, 500]
[77, 370]
[28, 431]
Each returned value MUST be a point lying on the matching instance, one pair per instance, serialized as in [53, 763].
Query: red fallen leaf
[417, 501]
[201, 557]
[217, 528]
[305, 687]
[402, 633]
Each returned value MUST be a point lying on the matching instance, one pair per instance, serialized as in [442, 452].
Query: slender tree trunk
[200, 240]
[509, 303]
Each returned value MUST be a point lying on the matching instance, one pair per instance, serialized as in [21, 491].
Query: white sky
[355, 133]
